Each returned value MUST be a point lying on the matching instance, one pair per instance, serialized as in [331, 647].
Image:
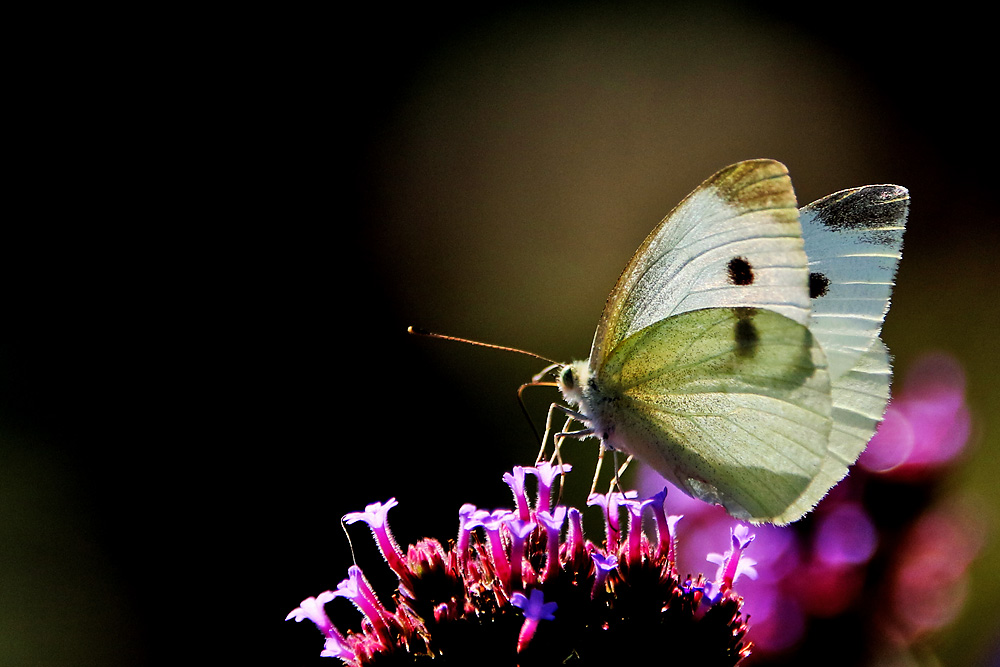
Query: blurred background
[223, 225]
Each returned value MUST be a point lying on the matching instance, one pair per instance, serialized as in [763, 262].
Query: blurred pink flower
[822, 566]
[927, 422]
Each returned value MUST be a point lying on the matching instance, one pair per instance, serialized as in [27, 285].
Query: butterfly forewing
[730, 404]
[734, 241]
[853, 239]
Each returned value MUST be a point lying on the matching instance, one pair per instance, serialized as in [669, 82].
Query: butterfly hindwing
[859, 399]
[730, 404]
[853, 240]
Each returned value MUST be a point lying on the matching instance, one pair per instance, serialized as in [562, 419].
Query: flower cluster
[883, 558]
[526, 587]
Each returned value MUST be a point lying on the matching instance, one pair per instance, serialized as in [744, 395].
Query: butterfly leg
[597, 470]
[545, 436]
[557, 455]
[558, 437]
[619, 471]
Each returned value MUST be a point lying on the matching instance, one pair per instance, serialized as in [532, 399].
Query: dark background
[220, 226]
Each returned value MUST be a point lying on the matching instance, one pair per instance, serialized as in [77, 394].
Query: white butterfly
[739, 353]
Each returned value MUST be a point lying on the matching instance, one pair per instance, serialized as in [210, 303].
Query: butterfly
[739, 353]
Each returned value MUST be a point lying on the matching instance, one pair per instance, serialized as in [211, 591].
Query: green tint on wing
[859, 400]
[731, 404]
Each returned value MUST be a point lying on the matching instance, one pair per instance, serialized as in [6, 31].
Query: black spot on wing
[818, 285]
[745, 332]
[740, 271]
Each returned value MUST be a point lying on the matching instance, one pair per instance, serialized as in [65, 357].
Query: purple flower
[546, 474]
[535, 609]
[498, 554]
[604, 565]
[356, 589]
[375, 516]
[313, 609]
[610, 503]
[665, 526]
[635, 537]
[518, 532]
[515, 481]
[574, 549]
[453, 602]
[468, 519]
[553, 523]
[334, 647]
[732, 564]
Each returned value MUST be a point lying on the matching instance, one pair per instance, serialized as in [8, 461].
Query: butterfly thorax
[594, 403]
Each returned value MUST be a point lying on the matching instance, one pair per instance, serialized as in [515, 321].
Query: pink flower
[926, 424]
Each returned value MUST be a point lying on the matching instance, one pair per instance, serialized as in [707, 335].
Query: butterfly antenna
[430, 334]
[597, 470]
[535, 381]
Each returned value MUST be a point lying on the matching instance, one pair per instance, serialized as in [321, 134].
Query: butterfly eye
[567, 378]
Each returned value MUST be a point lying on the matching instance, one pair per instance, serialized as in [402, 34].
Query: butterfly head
[572, 378]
